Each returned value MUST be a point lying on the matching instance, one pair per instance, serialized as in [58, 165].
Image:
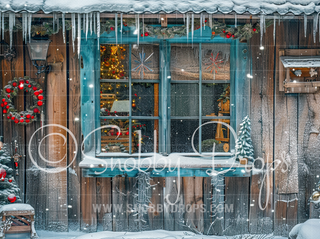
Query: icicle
[204, 22]
[159, 19]
[29, 26]
[79, 33]
[279, 20]
[84, 22]
[90, 17]
[305, 22]
[14, 19]
[0, 23]
[11, 22]
[116, 26]
[73, 22]
[192, 28]
[87, 25]
[184, 18]
[64, 27]
[121, 26]
[24, 14]
[98, 29]
[210, 21]
[201, 23]
[319, 29]
[315, 26]
[188, 23]
[2, 26]
[54, 22]
[95, 23]
[274, 30]
[143, 24]
[25, 26]
[261, 28]
[137, 28]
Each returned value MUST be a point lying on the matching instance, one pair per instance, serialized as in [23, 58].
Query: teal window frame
[90, 96]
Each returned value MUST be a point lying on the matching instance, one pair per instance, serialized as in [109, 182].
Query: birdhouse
[300, 73]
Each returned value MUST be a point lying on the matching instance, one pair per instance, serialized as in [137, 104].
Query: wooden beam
[56, 110]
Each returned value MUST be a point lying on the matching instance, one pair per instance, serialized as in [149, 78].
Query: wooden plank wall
[280, 123]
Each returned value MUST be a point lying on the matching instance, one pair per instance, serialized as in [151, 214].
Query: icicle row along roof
[282, 7]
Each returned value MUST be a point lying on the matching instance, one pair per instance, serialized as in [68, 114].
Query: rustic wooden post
[56, 105]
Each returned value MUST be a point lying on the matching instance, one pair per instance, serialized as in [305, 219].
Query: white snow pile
[139, 6]
[161, 234]
[16, 207]
[308, 230]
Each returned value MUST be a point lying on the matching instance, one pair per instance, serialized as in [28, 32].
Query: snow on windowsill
[160, 161]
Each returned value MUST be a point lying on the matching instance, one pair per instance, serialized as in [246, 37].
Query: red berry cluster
[145, 34]
[11, 90]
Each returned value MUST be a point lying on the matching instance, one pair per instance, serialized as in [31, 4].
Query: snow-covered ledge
[164, 166]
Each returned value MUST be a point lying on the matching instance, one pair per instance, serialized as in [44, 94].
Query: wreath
[11, 90]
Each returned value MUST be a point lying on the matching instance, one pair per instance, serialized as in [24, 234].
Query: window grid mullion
[130, 104]
[200, 97]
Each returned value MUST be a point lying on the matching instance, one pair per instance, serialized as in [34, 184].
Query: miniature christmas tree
[244, 148]
[9, 191]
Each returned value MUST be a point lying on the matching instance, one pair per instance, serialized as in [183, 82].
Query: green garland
[243, 32]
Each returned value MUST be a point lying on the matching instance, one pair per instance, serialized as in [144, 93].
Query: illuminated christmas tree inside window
[113, 62]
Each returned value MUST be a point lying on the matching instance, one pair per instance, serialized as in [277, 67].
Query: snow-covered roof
[300, 61]
[139, 6]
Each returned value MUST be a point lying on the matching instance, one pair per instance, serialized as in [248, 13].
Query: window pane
[145, 99]
[147, 128]
[184, 62]
[109, 141]
[216, 99]
[113, 61]
[181, 134]
[215, 61]
[145, 62]
[184, 99]
[215, 133]
[114, 99]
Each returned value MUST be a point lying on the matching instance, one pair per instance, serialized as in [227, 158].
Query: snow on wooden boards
[74, 172]
[262, 111]
[56, 113]
[9, 70]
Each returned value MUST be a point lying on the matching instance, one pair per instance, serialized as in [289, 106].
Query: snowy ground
[158, 234]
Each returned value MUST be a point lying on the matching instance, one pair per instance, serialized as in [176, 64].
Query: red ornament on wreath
[11, 90]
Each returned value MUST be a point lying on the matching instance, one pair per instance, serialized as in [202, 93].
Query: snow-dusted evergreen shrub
[244, 148]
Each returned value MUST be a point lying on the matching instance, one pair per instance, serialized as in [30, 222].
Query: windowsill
[159, 161]
[136, 155]
[173, 165]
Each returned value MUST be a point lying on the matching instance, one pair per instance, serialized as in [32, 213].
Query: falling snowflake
[143, 65]
[213, 64]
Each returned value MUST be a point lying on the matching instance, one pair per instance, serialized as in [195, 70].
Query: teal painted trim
[130, 104]
[87, 78]
[200, 96]
[242, 84]
[233, 87]
[200, 172]
[97, 99]
[168, 96]
[131, 38]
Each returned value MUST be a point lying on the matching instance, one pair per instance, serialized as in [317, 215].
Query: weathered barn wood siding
[280, 123]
